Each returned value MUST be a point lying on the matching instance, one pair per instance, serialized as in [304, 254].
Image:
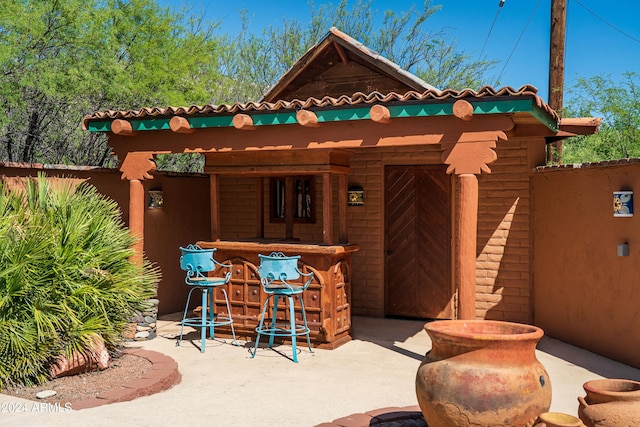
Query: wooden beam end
[307, 118]
[463, 110]
[180, 125]
[243, 122]
[380, 114]
[122, 127]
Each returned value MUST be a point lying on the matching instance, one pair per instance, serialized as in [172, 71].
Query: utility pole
[556, 67]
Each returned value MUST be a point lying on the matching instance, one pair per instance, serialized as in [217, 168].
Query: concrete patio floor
[225, 387]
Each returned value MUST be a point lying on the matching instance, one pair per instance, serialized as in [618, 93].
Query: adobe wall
[585, 294]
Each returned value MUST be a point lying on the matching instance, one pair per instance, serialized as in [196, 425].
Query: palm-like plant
[66, 278]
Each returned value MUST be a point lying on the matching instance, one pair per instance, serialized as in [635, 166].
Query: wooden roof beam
[307, 118]
[180, 125]
[463, 110]
[341, 53]
[380, 114]
[122, 127]
[243, 122]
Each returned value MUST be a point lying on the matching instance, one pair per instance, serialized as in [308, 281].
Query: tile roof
[327, 102]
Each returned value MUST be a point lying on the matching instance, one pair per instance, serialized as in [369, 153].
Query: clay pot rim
[560, 417]
[599, 386]
[492, 330]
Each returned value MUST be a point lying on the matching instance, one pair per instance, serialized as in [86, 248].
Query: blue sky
[603, 40]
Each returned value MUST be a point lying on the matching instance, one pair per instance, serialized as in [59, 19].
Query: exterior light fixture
[623, 249]
[623, 203]
[356, 196]
[156, 199]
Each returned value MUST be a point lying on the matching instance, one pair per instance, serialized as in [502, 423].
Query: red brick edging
[376, 416]
[163, 375]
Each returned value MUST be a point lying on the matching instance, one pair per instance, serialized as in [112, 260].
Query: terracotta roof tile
[357, 98]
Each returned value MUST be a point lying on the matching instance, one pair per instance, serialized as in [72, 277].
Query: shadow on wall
[503, 276]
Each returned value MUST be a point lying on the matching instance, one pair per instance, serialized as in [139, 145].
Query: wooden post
[466, 236]
[343, 201]
[214, 196]
[327, 209]
[260, 207]
[556, 66]
[289, 206]
[136, 218]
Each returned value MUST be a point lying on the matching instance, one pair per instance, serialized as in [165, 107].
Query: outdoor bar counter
[327, 300]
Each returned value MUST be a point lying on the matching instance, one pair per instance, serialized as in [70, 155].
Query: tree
[617, 104]
[60, 60]
[254, 63]
[67, 281]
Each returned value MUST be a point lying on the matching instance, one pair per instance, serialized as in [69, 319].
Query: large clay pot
[482, 373]
[610, 403]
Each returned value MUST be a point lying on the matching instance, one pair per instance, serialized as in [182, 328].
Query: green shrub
[66, 278]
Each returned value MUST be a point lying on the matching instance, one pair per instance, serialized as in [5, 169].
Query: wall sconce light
[156, 199]
[623, 203]
[623, 249]
[356, 196]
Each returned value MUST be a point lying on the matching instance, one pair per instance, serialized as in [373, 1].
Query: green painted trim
[99, 126]
[150, 124]
[348, 114]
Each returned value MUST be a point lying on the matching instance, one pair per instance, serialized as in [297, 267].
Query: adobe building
[404, 200]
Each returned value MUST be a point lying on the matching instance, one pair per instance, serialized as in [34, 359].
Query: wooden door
[418, 242]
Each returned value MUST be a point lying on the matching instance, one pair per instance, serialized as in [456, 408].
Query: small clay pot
[611, 390]
[610, 414]
[557, 419]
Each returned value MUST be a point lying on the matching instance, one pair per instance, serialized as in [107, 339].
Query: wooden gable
[339, 65]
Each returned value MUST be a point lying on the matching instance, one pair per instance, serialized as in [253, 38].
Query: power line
[518, 41]
[495, 18]
[609, 24]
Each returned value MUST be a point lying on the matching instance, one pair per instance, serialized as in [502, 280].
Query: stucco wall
[585, 294]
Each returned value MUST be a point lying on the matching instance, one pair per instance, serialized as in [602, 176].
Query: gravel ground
[84, 386]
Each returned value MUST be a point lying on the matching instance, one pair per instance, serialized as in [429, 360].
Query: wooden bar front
[327, 301]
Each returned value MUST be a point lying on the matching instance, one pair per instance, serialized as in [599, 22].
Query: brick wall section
[503, 273]
[504, 237]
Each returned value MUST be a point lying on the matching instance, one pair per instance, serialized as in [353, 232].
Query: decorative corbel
[137, 165]
[471, 157]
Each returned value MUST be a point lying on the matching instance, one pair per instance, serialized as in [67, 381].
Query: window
[303, 199]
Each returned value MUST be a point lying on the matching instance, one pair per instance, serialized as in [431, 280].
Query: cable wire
[495, 18]
[518, 41]
[611, 25]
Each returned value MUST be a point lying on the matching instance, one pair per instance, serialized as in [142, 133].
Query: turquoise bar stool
[197, 262]
[277, 272]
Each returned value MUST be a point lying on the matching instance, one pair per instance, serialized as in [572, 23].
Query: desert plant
[66, 278]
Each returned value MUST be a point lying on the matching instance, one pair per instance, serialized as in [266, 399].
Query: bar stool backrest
[278, 267]
[197, 261]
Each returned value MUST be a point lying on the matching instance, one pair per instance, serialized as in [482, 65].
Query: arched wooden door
[418, 242]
